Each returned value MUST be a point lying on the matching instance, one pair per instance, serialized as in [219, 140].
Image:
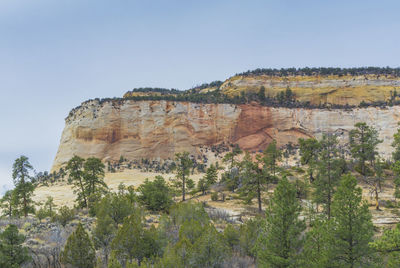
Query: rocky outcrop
[159, 129]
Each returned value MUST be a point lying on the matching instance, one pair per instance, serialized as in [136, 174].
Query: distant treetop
[324, 71]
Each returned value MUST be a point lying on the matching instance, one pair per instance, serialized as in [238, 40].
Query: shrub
[155, 195]
[214, 196]
[64, 215]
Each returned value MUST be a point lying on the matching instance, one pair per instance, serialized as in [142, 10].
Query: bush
[64, 215]
[214, 196]
[155, 195]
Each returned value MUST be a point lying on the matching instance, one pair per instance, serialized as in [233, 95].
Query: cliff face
[159, 129]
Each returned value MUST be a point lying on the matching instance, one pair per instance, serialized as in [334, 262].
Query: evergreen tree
[8, 203]
[233, 178]
[104, 232]
[209, 250]
[330, 168]
[376, 180]
[183, 166]
[23, 185]
[309, 151]
[279, 244]
[396, 146]
[12, 253]
[79, 251]
[75, 171]
[254, 180]
[211, 175]
[352, 227]
[271, 156]
[316, 250]
[133, 241]
[389, 246]
[363, 142]
[93, 175]
[155, 195]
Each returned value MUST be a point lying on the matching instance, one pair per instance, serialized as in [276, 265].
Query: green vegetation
[313, 219]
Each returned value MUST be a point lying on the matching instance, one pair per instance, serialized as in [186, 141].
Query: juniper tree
[12, 253]
[23, 185]
[396, 146]
[104, 232]
[79, 251]
[280, 241]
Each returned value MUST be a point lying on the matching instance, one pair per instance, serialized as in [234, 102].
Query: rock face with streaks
[159, 129]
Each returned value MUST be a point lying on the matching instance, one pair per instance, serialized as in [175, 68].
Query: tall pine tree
[281, 241]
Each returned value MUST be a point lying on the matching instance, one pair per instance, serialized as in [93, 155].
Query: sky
[56, 54]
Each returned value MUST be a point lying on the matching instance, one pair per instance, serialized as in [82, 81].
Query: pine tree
[133, 241]
[155, 195]
[12, 253]
[183, 166]
[23, 185]
[232, 175]
[309, 151]
[330, 168]
[8, 203]
[396, 146]
[352, 227]
[376, 180]
[271, 157]
[389, 246]
[75, 171]
[104, 232]
[279, 244]
[316, 251]
[93, 174]
[79, 250]
[254, 180]
[363, 142]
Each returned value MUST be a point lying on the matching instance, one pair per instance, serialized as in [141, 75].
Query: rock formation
[159, 129]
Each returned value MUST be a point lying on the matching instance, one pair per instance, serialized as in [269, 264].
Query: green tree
[352, 228]
[23, 185]
[8, 203]
[254, 179]
[202, 186]
[309, 150]
[209, 250]
[155, 195]
[233, 178]
[79, 250]
[261, 94]
[330, 168]
[104, 232]
[272, 155]
[316, 250]
[183, 166]
[75, 171]
[50, 206]
[12, 253]
[133, 241]
[396, 146]
[389, 245]
[279, 244]
[93, 174]
[363, 142]
[376, 180]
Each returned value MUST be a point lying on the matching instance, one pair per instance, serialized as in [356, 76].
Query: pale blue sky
[56, 54]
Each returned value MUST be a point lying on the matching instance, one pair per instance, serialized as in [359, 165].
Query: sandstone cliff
[159, 129]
